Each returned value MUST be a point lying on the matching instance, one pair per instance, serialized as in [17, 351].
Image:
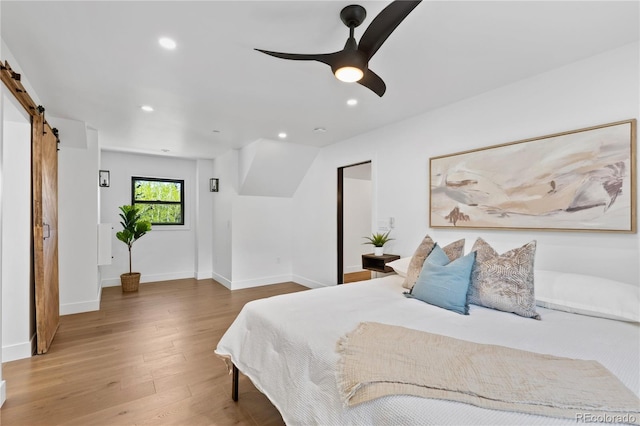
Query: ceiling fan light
[349, 74]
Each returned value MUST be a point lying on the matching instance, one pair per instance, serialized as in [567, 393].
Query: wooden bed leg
[234, 383]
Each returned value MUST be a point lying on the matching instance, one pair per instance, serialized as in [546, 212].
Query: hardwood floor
[353, 277]
[144, 358]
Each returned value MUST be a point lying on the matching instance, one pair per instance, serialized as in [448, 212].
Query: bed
[286, 345]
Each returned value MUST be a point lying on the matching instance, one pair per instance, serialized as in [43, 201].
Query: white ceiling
[98, 62]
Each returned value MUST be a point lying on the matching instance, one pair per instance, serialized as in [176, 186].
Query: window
[161, 201]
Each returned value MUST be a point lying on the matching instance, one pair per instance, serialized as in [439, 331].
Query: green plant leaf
[378, 239]
[132, 227]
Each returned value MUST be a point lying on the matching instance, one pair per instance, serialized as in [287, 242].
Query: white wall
[204, 220]
[314, 213]
[78, 190]
[594, 91]
[357, 222]
[225, 168]
[18, 327]
[166, 252]
[251, 234]
[261, 243]
[273, 168]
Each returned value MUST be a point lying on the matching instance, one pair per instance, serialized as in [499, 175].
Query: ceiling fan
[351, 63]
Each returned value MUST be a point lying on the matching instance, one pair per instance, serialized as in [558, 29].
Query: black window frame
[134, 179]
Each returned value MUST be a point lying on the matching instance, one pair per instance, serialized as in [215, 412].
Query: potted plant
[378, 240]
[133, 228]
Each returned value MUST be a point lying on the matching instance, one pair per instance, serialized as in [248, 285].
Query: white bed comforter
[286, 346]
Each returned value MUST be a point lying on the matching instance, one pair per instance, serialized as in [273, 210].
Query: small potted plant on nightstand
[378, 240]
[133, 228]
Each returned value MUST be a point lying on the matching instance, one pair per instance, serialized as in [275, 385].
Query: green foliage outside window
[159, 214]
[160, 201]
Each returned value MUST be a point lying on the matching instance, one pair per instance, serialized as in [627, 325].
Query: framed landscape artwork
[582, 180]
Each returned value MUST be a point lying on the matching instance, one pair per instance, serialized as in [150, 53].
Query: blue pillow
[443, 283]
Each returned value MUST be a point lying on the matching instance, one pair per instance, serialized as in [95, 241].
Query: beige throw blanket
[378, 360]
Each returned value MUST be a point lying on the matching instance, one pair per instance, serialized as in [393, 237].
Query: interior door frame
[340, 220]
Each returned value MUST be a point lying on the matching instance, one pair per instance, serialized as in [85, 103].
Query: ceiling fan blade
[372, 81]
[383, 25]
[325, 58]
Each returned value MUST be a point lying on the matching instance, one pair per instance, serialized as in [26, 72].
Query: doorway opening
[354, 217]
[16, 282]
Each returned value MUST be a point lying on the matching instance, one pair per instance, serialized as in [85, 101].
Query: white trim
[79, 307]
[184, 227]
[257, 282]
[147, 278]
[204, 275]
[221, 280]
[110, 282]
[19, 351]
[231, 285]
[3, 392]
[307, 282]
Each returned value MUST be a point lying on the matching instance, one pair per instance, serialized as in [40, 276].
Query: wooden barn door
[44, 193]
[45, 229]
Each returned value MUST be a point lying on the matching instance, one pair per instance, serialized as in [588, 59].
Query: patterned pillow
[453, 251]
[504, 282]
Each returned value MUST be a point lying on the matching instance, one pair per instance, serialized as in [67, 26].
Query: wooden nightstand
[378, 263]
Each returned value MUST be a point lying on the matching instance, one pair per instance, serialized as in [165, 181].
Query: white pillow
[401, 266]
[587, 295]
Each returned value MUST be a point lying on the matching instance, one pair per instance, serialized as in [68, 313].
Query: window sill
[170, 228]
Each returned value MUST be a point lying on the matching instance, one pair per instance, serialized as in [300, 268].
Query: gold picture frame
[580, 180]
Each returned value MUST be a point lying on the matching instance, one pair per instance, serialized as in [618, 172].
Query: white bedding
[286, 346]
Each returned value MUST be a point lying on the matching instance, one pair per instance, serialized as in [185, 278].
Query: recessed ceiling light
[352, 102]
[282, 135]
[164, 150]
[146, 108]
[319, 130]
[167, 43]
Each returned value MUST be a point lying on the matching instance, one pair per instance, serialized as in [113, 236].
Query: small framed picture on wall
[103, 178]
[213, 184]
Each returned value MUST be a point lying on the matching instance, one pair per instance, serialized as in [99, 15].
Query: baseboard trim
[80, 307]
[231, 285]
[147, 278]
[110, 282]
[18, 351]
[222, 280]
[3, 392]
[307, 282]
[204, 275]
[257, 282]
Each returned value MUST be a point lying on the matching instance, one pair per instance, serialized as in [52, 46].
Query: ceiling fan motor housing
[353, 15]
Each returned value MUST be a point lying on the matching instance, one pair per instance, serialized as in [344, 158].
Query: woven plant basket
[130, 281]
